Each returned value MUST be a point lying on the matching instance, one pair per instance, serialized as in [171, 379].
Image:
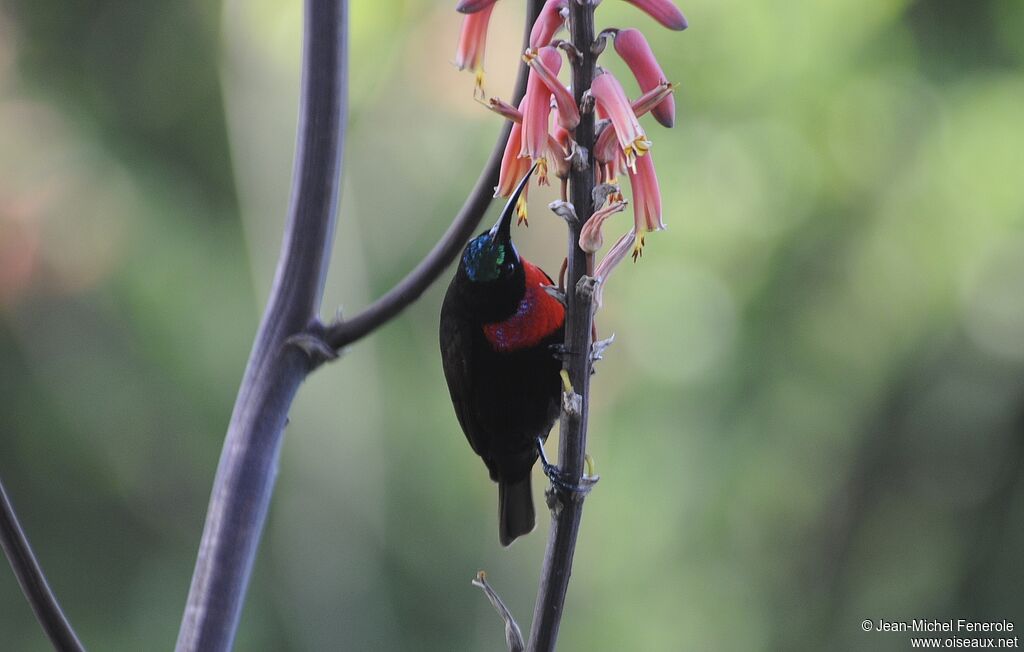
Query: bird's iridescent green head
[491, 256]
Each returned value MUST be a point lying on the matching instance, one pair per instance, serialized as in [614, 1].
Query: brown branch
[567, 506]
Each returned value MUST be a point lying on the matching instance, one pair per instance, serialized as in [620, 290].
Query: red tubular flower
[536, 108]
[610, 97]
[548, 22]
[646, 201]
[472, 39]
[473, 6]
[605, 147]
[636, 52]
[546, 64]
[663, 11]
[513, 169]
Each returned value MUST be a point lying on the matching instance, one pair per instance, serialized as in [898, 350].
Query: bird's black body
[497, 328]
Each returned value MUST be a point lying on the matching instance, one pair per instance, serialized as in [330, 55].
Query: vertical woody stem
[567, 507]
[248, 464]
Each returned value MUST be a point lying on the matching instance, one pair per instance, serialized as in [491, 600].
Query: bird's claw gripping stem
[558, 478]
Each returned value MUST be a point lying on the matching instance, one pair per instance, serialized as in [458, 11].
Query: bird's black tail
[515, 510]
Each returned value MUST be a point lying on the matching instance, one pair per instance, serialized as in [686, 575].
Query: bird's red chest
[537, 316]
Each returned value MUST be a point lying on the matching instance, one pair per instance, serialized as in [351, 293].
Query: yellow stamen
[542, 172]
[638, 247]
[521, 212]
[617, 195]
[478, 87]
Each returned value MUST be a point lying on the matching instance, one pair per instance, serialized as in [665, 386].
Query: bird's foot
[561, 482]
[559, 351]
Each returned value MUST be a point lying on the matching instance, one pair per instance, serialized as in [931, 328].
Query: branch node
[572, 404]
[601, 42]
[312, 343]
[578, 157]
[513, 636]
[586, 288]
[569, 49]
[586, 102]
[564, 210]
[602, 192]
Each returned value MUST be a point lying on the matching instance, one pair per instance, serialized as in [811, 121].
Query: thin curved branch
[341, 333]
[33, 582]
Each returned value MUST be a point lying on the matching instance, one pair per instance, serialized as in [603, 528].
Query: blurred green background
[813, 413]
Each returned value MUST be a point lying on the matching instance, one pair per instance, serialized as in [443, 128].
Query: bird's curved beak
[503, 227]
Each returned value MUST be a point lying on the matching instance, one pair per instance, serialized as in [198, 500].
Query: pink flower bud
[636, 52]
[549, 21]
[663, 11]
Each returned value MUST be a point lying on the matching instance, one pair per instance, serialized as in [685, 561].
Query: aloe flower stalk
[582, 154]
[636, 52]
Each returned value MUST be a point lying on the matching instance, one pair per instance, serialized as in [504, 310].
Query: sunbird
[499, 331]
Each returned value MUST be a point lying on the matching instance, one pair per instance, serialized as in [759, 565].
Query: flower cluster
[547, 116]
